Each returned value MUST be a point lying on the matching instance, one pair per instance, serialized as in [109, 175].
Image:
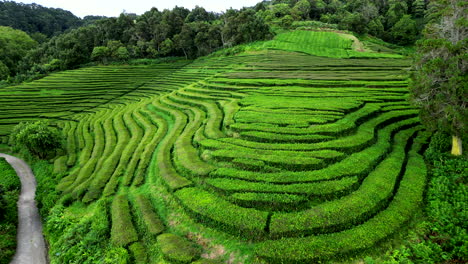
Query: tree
[113, 46]
[167, 46]
[301, 10]
[439, 82]
[397, 9]
[405, 31]
[39, 138]
[4, 71]
[419, 6]
[14, 44]
[199, 14]
[34, 18]
[280, 10]
[100, 54]
[122, 54]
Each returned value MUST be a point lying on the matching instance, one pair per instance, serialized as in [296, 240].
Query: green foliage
[100, 54]
[8, 178]
[405, 31]
[442, 236]
[4, 71]
[301, 10]
[14, 44]
[407, 199]
[34, 18]
[139, 253]
[440, 77]
[153, 222]
[177, 249]
[46, 194]
[122, 233]
[39, 138]
[9, 192]
[213, 210]
[82, 239]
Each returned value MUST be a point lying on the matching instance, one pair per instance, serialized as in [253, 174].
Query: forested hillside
[197, 32]
[34, 18]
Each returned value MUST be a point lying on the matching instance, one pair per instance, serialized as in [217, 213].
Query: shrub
[153, 223]
[178, 249]
[39, 138]
[123, 232]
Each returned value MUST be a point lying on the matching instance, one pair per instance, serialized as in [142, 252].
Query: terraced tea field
[285, 157]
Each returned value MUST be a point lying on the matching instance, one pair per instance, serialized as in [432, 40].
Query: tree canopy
[14, 44]
[39, 138]
[440, 80]
[34, 18]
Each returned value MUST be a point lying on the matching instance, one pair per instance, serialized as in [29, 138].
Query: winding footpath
[31, 246]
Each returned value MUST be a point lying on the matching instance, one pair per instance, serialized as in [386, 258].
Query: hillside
[34, 18]
[266, 156]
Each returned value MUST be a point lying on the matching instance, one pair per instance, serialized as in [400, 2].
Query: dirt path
[31, 247]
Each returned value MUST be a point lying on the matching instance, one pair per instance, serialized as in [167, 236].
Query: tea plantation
[301, 149]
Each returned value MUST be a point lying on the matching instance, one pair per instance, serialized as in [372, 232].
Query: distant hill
[34, 18]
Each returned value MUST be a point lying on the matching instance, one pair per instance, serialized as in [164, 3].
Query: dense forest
[192, 33]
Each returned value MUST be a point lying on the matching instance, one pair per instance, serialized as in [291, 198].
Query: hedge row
[122, 232]
[111, 162]
[406, 201]
[325, 189]
[83, 179]
[214, 116]
[269, 201]
[151, 146]
[177, 249]
[212, 210]
[356, 164]
[185, 153]
[72, 144]
[153, 222]
[373, 194]
[363, 137]
[164, 161]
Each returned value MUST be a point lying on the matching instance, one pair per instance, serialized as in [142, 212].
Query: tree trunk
[456, 146]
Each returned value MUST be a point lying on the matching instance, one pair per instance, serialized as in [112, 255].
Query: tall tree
[39, 138]
[34, 18]
[14, 44]
[301, 10]
[405, 31]
[439, 83]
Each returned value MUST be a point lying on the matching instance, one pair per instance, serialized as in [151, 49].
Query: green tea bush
[46, 194]
[177, 249]
[213, 210]
[153, 222]
[81, 240]
[123, 232]
[442, 237]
